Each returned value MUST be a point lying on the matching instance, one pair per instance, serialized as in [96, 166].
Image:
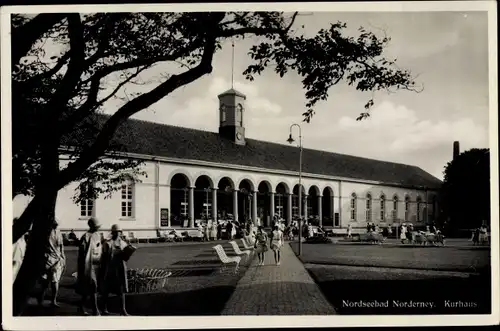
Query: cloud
[399, 130]
[202, 111]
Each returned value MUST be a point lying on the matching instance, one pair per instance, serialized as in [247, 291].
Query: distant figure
[89, 260]
[55, 263]
[349, 231]
[114, 269]
[483, 235]
[475, 237]
[233, 231]
[206, 230]
[213, 230]
[403, 233]
[276, 243]
[261, 244]
[219, 230]
[229, 230]
[72, 236]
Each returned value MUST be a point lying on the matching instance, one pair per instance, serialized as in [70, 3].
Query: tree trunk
[40, 212]
[34, 259]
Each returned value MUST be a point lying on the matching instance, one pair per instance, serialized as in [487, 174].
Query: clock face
[238, 136]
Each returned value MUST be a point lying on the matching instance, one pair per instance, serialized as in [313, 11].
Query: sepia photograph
[297, 160]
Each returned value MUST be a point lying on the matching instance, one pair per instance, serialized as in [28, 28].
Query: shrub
[318, 240]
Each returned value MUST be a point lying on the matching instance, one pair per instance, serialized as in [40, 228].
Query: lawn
[196, 286]
[447, 280]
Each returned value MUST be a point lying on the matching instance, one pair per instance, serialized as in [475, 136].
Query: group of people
[480, 235]
[213, 230]
[101, 268]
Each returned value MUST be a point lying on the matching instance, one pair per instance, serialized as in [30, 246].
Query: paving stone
[287, 289]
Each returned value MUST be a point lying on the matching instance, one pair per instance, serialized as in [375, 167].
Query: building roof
[154, 139]
[232, 91]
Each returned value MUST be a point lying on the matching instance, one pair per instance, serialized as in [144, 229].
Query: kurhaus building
[192, 174]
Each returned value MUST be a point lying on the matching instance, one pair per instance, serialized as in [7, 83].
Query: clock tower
[231, 109]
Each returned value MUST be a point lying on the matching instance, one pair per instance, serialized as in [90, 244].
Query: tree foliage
[466, 190]
[67, 66]
[94, 47]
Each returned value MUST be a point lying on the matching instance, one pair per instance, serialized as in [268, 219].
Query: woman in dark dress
[114, 269]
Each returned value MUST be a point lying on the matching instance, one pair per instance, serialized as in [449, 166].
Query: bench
[225, 259]
[175, 235]
[239, 252]
[194, 235]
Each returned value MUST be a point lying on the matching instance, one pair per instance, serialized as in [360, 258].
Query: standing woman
[89, 260]
[114, 269]
[276, 243]
[55, 263]
[213, 230]
[261, 244]
[403, 233]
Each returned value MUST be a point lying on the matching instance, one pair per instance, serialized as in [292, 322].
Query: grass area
[465, 259]
[196, 286]
[373, 279]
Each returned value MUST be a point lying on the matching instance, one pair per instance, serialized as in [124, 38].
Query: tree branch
[27, 34]
[75, 66]
[92, 153]
[92, 104]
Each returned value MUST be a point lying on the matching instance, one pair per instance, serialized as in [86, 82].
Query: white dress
[403, 233]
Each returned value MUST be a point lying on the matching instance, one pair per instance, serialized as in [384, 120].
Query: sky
[447, 51]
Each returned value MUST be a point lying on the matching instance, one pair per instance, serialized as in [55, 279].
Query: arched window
[87, 206]
[279, 205]
[419, 209]
[382, 207]
[407, 208]
[395, 201]
[127, 198]
[353, 206]
[368, 208]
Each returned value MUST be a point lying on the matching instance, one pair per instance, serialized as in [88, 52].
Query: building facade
[193, 175]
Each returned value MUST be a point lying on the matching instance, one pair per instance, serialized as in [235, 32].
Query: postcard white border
[101, 323]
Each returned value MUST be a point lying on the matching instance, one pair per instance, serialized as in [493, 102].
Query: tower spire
[232, 64]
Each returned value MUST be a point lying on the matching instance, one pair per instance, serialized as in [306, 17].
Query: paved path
[287, 289]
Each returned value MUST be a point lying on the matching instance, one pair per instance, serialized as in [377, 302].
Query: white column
[191, 207]
[254, 207]
[169, 189]
[289, 207]
[214, 204]
[235, 205]
[320, 210]
[305, 196]
[271, 206]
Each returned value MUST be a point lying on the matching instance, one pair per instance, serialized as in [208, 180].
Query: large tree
[53, 96]
[465, 194]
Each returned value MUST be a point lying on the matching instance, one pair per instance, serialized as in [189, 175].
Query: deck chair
[246, 244]
[239, 252]
[226, 260]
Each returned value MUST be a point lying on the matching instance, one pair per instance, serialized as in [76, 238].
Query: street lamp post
[291, 140]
